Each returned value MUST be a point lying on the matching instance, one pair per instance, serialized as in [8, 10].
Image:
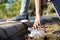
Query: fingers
[39, 24]
[36, 25]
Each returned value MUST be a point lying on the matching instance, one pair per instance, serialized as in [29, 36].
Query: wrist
[38, 17]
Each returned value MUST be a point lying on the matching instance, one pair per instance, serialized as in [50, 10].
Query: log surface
[12, 30]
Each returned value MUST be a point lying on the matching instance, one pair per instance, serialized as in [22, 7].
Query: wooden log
[12, 30]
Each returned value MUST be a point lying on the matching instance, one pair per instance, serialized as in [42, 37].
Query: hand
[37, 23]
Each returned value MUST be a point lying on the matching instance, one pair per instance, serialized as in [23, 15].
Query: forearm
[38, 7]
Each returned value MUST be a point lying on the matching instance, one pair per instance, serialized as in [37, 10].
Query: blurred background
[10, 8]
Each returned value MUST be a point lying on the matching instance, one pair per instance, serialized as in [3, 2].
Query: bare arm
[37, 22]
[38, 7]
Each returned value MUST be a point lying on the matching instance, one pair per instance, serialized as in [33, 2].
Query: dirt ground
[50, 32]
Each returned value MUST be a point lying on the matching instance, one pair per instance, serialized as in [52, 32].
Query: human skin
[37, 23]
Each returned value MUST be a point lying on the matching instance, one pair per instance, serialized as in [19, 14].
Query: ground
[52, 31]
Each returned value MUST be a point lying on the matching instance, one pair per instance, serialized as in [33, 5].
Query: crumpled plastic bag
[36, 32]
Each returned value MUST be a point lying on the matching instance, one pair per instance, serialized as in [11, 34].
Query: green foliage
[3, 1]
[52, 10]
[32, 5]
[14, 8]
[2, 6]
[10, 12]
